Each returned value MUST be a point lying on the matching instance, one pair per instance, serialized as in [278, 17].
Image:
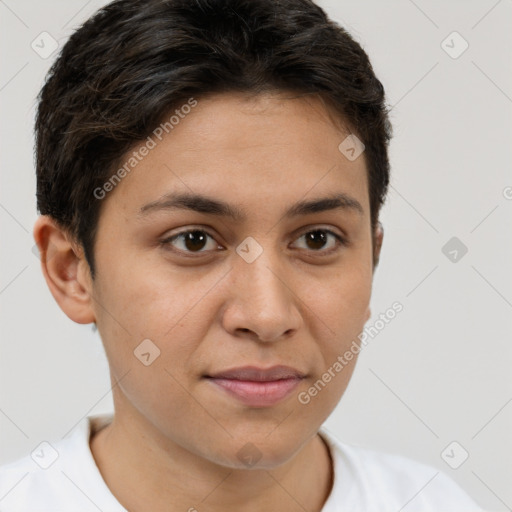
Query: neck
[144, 475]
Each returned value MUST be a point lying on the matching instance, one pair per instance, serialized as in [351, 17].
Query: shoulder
[21, 481]
[373, 480]
[55, 475]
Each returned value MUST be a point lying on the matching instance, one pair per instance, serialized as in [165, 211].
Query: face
[215, 293]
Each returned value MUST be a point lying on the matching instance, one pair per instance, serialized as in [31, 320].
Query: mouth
[257, 387]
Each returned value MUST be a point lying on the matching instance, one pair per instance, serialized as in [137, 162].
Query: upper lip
[253, 373]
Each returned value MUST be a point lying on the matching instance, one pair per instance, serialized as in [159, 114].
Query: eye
[317, 239]
[190, 241]
[196, 241]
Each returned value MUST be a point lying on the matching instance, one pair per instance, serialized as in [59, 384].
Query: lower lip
[258, 394]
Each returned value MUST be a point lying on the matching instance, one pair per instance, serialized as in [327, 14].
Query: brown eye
[194, 240]
[191, 241]
[321, 240]
[316, 239]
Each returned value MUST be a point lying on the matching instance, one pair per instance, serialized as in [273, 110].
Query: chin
[263, 451]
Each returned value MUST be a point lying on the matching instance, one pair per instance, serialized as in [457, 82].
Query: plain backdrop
[441, 370]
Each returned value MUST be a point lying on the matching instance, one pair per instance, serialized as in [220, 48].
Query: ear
[65, 269]
[378, 238]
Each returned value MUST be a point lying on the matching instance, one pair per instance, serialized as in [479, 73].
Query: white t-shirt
[364, 480]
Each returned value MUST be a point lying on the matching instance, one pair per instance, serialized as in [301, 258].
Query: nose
[263, 303]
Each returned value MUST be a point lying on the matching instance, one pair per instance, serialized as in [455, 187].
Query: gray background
[441, 370]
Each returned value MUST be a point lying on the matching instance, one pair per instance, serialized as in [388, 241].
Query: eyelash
[166, 243]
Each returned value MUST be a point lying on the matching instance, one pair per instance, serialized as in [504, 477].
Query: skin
[175, 436]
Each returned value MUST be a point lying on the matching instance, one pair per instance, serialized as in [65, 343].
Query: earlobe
[65, 270]
[378, 238]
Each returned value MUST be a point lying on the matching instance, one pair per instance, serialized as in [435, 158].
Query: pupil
[195, 240]
[316, 237]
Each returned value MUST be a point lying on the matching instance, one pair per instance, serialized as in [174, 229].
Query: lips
[256, 374]
[257, 387]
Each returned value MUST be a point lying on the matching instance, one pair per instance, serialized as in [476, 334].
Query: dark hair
[136, 60]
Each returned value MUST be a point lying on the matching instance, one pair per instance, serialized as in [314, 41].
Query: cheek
[141, 300]
[156, 368]
[342, 307]
[148, 296]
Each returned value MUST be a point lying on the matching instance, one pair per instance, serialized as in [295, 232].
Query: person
[209, 178]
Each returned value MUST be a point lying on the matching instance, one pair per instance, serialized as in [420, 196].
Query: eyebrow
[204, 204]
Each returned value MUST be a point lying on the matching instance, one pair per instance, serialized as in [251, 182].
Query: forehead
[271, 147]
